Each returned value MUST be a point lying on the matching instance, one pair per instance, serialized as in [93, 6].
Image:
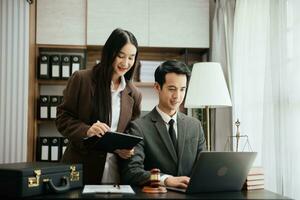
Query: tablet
[111, 141]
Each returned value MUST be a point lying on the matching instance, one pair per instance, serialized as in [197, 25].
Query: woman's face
[124, 60]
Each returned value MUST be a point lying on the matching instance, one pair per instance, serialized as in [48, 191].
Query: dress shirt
[166, 118]
[110, 173]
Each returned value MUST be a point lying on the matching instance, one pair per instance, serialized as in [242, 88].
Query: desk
[252, 194]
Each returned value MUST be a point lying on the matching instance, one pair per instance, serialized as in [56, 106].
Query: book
[256, 170]
[255, 182]
[255, 177]
[253, 187]
[111, 141]
[107, 189]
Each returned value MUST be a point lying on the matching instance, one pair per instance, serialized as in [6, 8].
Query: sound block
[154, 190]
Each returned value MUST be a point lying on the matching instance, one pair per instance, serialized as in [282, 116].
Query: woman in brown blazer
[98, 100]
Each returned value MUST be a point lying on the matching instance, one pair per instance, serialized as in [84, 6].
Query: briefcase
[36, 178]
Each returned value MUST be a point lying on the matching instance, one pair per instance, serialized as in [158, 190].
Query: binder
[63, 144]
[43, 67]
[55, 69]
[44, 107]
[43, 149]
[61, 99]
[66, 66]
[54, 149]
[54, 102]
[76, 63]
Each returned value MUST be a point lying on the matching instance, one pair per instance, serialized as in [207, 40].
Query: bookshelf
[90, 54]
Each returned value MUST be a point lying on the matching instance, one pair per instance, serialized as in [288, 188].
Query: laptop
[219, 171]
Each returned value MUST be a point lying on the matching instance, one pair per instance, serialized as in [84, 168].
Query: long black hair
[104, 70]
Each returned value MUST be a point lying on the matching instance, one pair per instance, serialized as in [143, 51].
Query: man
[172, 148]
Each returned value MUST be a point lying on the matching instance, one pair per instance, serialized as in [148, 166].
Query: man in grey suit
[172, 147]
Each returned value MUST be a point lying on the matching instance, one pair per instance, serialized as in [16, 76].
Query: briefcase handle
[58, 189]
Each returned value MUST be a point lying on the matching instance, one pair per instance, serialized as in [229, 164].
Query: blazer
[74, 119]
[157, 151]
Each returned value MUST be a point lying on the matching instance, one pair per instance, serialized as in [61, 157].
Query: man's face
[172, 92]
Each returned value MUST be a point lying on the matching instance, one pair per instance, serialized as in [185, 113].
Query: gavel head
[155, 178]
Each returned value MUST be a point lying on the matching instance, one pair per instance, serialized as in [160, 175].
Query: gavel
[155, 178]
[155, 186]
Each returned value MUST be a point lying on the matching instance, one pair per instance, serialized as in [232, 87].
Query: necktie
[172, 133]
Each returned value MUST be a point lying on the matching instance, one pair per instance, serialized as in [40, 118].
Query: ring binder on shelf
[61, 99]
[43, 67]
[44, 107]
[43, 149]
[54, 149]
[66, 67]
[76, 63]
[63, 144]
[54, 102]
[55, 67]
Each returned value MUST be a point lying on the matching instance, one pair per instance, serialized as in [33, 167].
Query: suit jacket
[74, 119]
[157, 151]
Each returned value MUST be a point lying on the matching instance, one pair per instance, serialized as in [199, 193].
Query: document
[124, 189]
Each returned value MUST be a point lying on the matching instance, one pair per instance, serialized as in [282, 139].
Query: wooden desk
[252, 194]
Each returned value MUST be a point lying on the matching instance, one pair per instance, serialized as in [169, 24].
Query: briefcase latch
[34, 181]
[74, 175]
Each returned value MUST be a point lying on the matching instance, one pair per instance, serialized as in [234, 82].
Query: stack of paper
[147, 70]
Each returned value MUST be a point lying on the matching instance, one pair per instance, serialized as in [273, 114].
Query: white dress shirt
[110, 173]
[166, 118]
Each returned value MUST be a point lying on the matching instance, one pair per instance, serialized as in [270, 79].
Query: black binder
[111, 141]
[63, 144]
[61, 99]
[44, 107]
[55, 69]
[66, 69]
[43, 149]
[54, 102]
[54, 149]
[76, 63]
[43, 66]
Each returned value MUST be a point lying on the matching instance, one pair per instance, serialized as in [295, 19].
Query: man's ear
[157, 87]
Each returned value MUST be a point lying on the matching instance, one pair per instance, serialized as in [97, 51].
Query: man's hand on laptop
[177, 181]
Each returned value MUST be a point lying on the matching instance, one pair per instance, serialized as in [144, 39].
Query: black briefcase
[28, 179]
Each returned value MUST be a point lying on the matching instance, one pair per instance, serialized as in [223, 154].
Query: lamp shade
[207, 87]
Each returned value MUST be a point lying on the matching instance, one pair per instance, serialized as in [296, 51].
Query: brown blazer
[74, 119]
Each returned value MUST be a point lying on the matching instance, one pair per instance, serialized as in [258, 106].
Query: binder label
[44, 152]
[66, 71]
[44, 112]
[54, 153]
[44, 69]
[55, 70]
[75, 67]
[53, 112]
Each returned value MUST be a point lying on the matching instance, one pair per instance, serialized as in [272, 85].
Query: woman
[98, 100]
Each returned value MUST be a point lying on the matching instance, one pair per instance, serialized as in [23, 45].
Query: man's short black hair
[170, 66]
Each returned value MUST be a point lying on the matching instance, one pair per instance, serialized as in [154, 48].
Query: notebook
[219, 171]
